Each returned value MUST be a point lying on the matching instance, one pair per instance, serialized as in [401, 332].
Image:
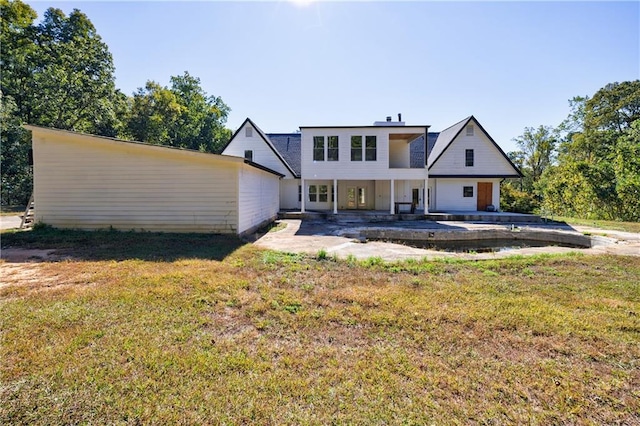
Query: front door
[485, 192]
[415, 197]
[356, 197]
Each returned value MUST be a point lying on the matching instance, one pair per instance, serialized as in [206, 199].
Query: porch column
[426, 196]
[302, 191]
[392, 197]
[334, 192]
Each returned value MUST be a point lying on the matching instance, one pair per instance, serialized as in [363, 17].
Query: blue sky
[511, 64]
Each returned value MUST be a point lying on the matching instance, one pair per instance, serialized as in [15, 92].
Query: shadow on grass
[118, 245]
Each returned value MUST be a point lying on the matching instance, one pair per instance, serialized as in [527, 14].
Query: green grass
[12, 210]
[602, 224]
[238, 335]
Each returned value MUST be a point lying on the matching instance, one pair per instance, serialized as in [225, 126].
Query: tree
[58, 73]
[537, 150]
[597, 174]
[182, 116]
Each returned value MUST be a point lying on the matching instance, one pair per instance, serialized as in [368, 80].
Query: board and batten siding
[259, 198]
[88, 182]
[487, 159]
[262, 152]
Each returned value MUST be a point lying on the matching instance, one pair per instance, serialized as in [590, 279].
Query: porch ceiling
[407, 137]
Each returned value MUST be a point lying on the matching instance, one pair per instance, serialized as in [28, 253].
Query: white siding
[289, 194]
[487, 159]
[262, 152]
[447, 194]
[86, 182]
[259, 198]
[357, 170]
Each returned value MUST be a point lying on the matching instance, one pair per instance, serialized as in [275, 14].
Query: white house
[465, 169]
[380, 167]
[92, 182]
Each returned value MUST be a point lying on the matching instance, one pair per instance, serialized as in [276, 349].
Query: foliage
[182, 116]
[544, 340]
[515, 200]
[597, 175]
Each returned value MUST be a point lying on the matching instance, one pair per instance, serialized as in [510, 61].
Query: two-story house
[380, 167]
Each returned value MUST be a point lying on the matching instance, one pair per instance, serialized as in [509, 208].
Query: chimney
[399, 117]
[388, 118]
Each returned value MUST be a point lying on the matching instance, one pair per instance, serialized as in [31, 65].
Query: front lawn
[165, 329]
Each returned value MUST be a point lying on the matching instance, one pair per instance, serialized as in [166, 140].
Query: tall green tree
[57, 73]
[182, 115]
[597, 172]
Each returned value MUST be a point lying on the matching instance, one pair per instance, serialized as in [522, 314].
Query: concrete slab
[342, 240]
[10, 222]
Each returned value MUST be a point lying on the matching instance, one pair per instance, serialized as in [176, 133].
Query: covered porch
[390, 196]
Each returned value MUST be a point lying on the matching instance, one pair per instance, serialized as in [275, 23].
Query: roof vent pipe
[399, 117]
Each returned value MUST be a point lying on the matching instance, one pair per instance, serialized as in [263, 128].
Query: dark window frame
[313, 194]
[467, 191]
[248, 154]
[333, 153]
[356, 152]
[468, 157]
[318, 148]
[371, 148]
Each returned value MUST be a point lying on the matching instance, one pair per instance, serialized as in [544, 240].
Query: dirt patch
[19, 255]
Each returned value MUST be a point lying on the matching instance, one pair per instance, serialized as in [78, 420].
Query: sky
[287, 64]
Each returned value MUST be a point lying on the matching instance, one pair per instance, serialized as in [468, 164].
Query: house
[92, 182]
[466, 167]
[381, 167]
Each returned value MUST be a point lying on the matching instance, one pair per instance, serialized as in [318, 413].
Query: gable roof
[447, 136]
[266, 140]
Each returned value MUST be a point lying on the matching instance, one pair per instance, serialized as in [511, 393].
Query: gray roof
[417, 150]
[445, 138]
[288, 146]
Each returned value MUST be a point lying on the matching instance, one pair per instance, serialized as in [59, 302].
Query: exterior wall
[317, 205]
[487, 159]
[447, 194]
[258, 198]
[262, 152]
[289, 194]
[86, 182]
[356, 170]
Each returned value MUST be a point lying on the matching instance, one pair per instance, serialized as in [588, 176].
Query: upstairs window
[469, 130]
[318, 148]
[248, 131]
[371, 148]
[468, 157]
[356, 148]
[332, 148]
[467, 191]
[248, 155]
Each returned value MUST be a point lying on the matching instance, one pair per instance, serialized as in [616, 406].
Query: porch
[373, 216]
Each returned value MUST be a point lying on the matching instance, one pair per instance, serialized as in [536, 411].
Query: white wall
[356, 170]
[262, 152]
[447, 193]
[289, 194]
[86, 182]
[259, 198]
[487, 159]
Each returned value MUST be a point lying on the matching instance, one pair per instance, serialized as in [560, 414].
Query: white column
[426, 196]
[392, 197]
[334, 192]
[303, 195]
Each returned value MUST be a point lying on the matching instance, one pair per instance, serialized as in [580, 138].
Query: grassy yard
[157, 329]
[12, 210]
[602, 224]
